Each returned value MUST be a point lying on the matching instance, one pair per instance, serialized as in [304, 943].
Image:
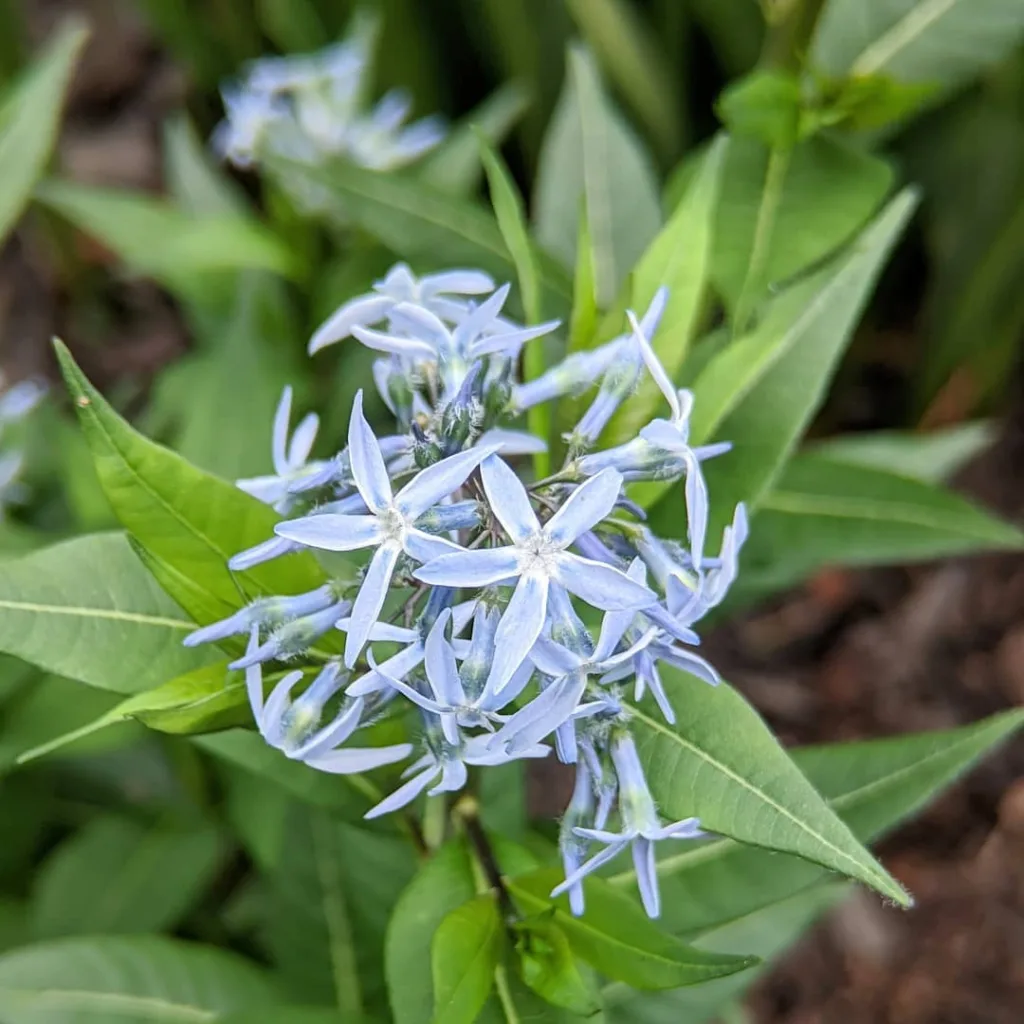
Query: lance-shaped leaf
[943, 41]
[138, 978]
[191, 520]
[87, 609]
[616, 937]
[590, 152]
[827, 511]
[761, 391]
[464, 954]
[30, 118]
[722, 764]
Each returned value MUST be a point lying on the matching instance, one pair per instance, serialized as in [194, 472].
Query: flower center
[537, 555]
[392, 524]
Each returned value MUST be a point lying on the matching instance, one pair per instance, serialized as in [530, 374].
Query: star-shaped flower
[539, 557]
[641, 828]
[390, 525]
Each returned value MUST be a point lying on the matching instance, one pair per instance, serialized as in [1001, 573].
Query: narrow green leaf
[199, 188]
[292, 25]
[190, 246]
[722, 764]
[932, 457]
[788, 214]
[161, 873]
[628, 49]
[828, 511]
[679, 258]
[189, 519]
[766, 934]
[455, 165]
[141, 979]
[590, 151]
[508, 208]
[761, 391]
[947, 41]
[872, 785]
[616, 937]
[30, 119]
[86, 609]
[419, 222]
[464, 953]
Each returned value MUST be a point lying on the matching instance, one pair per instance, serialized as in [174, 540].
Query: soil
[850, 655]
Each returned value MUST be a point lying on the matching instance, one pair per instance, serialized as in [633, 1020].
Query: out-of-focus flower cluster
[315, 107]
[16, 402]
[473, 607]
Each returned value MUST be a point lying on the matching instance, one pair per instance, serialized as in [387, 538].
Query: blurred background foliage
[189, 293]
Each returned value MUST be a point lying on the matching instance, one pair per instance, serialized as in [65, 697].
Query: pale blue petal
[277, 704]
[405, 794]
[544, 714]
[407, 691]
[254, 677]
[511, 442]
[456, 282]
[664, 435]
[601, 836]
[710, 451]
[262, 552]
[302, 441]
[518, 630]
[370, 600]
[591, 502]
[652, 318]
[453, 777]
[647, 875]
[422, 323]
[435, 482]
[600, 585]
[481, 568]
[425, 547]
[696, 510]
[688, 828]
[654, 367]
[332, 735]
[509, 500]
[384, 632]
[553, 659]
[565, 742]
[268, 489]
[331, 532]
[689, 662]
[589, 866]
[398, 667]
[279, 438]
[368, 468]
[442, 671]
[479, 319]
[630, 653]
[366, 309]
[509, 342]
[491, 702]
[355, 760]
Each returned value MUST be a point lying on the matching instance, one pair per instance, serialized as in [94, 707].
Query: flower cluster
[16, 403]
[471, 611]
[313, 107]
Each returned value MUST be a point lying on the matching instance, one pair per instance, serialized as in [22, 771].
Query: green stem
[435, 819]
[501, 986]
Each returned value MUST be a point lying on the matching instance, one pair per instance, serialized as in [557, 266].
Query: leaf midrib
[863, 869]
[82, 612]
[877, 54]
[119, 1003]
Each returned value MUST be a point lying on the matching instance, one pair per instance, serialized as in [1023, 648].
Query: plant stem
[467, 810]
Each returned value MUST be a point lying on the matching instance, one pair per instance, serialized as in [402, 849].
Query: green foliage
[29, 121]
[464, 954]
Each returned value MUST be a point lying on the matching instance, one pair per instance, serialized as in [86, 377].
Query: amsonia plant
[563, 446]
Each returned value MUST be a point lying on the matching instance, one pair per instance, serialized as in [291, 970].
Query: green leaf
[49, 705]
[86, 609]
[464, 953]
[766, 934]
[629, 51]
[197, 185]
[419, 222]
[331, 889]
[590, 151]
[189, 519]
[932, 457]
[161, 873]
[30, 120]
[947, 41]
[288, 1015]
[455, 165]
[828, 511]
[13, 923]
[722, 764]
[764, 105]
[616, 937]
[548, 967]
[761, 391]
[138, 980]
[293, 26]
[189, 246]
[679, 258]
[775, 219]
[873, 785]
